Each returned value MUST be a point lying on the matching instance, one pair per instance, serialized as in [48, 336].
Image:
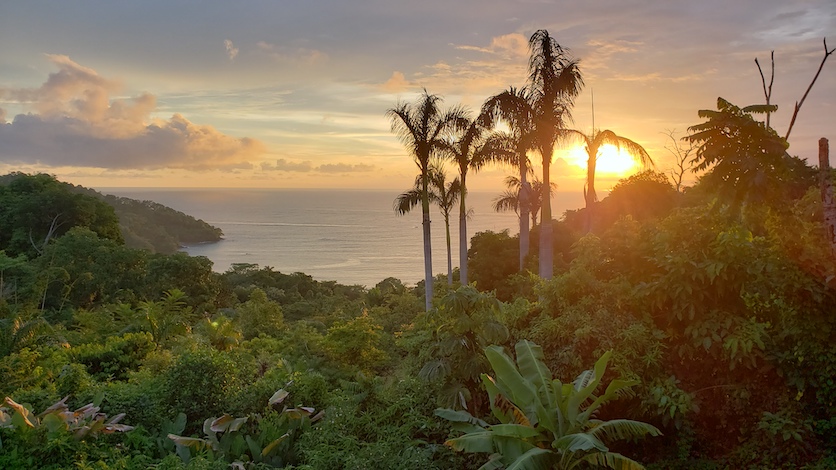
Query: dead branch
[799, 103]
[767, 93]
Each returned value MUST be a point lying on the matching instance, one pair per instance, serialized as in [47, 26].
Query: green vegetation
[706, 314]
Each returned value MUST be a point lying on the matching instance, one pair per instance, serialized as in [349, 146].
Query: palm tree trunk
[525, 197]
[590, 196]
[428, 252]
[546, 247]
[449, 253]
[463, 232]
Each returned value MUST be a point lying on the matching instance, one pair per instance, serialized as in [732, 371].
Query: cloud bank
[306, 167]
[73, 120]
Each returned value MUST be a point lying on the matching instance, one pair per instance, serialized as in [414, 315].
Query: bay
[348, 236]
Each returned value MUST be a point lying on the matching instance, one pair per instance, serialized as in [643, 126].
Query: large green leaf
[585, 384]
[509, 380]
[621, 429]
[612, 460]
[534, 459]
[514, 430]
[613, 391]
[473, 442]
[533, 367]
[580, 442]
[459, 417]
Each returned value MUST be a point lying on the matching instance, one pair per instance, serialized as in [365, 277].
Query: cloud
[73, 121]
[292, 53]
[510, 45]
[231, 50]
[306, 167]
[396, 83]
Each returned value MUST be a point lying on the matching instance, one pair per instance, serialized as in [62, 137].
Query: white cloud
[231, 50]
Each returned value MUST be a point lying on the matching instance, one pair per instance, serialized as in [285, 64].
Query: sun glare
[611, 161]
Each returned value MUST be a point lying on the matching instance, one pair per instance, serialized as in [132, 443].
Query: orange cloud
[75, 122]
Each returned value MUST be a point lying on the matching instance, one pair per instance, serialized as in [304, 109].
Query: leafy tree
[464, 323]
[553, 83]
[35, 209]
[746, 158]
[258, 315]
[421, 127]
[593, 143]
[443, 194]
[544, 423]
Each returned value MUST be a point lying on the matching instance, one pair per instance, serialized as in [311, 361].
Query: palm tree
[471, 148]
[513, 107]
[442, 194]
[554, 82]
[511, 199]
[421, 127]
[593, 143]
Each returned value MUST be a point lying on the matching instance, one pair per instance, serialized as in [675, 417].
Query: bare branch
[767, 92]
[799, 103]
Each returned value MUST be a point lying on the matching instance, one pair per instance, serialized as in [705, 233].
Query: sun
[611, 161]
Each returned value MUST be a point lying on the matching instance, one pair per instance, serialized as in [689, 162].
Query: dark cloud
[76, 123]
[306, 166]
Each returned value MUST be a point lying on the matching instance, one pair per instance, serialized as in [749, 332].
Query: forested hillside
[141, 224]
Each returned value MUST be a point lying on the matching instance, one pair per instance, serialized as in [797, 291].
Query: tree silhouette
[593, 143]
[554, 82]
[444, 195]
[513, 108]
[421, 127]
[470, 149]
[511, 200]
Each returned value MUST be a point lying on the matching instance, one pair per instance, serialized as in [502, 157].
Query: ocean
[348, 236]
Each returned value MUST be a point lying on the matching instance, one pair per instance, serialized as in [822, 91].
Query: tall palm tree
[421, 127]
[443, 194]
[554, 82]
[593, 143]
[470, 149]
[513, 107]
[511, 199]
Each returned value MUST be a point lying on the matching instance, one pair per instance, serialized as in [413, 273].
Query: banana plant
[544, 423]
[82, 423]
[227, 437]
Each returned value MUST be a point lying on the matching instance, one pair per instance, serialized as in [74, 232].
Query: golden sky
[294, 94]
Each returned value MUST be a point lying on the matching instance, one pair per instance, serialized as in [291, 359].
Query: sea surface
[348, 236]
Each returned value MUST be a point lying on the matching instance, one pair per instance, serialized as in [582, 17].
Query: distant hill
[155, 227]
[147, 224]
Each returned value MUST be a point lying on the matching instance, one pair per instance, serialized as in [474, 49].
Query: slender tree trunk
[546, 247]
[428, 252]
[525, 198]
[449, 253]
[590, 196]
[827, 196]
[463, 231]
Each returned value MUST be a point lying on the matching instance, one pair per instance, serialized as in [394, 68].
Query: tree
[554, 82]
[544, 423]
[513, 107]
[682, 158]
[442, 194]
[512, 198]
[746, 158]
[421, 127]
[593, 143]
[35, 209]
[471, 148]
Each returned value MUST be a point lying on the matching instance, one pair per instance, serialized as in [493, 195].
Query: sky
[294, 94]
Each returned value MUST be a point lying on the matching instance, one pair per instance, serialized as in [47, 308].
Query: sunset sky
[283, 93]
